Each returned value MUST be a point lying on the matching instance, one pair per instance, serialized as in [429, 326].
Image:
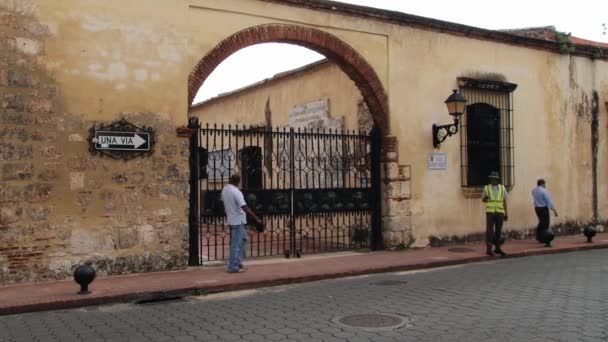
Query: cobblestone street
[561, 297]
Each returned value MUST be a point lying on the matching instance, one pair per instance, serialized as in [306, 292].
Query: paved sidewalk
[260, 273]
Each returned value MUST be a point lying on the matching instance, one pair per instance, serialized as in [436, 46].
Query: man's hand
[259, 225]
[252, 215]
[555, 212]
[257, 220]
[484, 198]
[506, 217]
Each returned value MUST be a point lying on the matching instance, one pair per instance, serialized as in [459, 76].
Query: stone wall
[61, 206]
[396, 195]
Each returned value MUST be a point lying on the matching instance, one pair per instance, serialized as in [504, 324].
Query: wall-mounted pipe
[595, 149]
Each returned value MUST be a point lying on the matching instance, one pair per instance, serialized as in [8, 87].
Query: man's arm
[240, 201]
[550, 202]
[251, 214]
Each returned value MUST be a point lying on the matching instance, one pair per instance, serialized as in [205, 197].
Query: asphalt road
[562, 297]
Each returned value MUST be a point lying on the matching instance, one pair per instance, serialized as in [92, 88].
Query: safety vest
[495, 204]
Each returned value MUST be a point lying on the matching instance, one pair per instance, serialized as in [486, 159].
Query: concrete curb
[197, 290]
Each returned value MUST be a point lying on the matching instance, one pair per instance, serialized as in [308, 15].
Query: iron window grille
[220, 164]
[486, 138]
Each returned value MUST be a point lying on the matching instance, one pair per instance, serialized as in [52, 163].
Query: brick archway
[324, 43]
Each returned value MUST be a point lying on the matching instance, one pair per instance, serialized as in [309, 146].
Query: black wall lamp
[456, 105]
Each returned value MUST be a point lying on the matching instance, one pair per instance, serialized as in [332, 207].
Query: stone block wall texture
[60, 205]
[396, 197]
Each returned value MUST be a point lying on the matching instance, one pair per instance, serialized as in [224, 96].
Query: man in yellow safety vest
[495, 197]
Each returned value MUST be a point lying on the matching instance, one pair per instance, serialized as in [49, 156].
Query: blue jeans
[238, 238]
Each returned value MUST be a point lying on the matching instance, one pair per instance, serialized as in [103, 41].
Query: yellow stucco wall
[249, 105]
[96, 61]
[144, 49]
[552, 138]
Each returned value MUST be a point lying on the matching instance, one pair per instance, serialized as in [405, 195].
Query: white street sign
[122, 141]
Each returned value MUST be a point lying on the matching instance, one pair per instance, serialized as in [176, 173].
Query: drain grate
[375, 321]
[390, 282]
[159, 299]
[461, 250]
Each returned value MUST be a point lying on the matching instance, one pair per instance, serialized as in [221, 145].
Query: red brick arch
[349, 60]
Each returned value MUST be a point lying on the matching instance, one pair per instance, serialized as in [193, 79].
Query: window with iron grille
[220, 164]
[486, 132]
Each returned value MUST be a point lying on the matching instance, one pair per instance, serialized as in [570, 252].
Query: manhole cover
[390, 282]
[376, 321]
[461, 250]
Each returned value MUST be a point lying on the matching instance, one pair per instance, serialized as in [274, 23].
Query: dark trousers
[543, 220]
[494, 223]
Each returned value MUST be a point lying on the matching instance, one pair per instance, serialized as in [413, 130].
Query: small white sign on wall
[437, 161]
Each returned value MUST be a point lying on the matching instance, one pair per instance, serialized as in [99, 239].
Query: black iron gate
[315, 190]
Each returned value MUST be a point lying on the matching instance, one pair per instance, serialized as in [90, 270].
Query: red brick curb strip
[58, 303]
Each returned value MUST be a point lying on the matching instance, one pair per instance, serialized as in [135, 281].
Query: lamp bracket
[440, 133]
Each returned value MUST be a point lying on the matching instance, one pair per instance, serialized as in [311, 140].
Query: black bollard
[84, 275]
[589, 232]
[546, 237]
[501, 241]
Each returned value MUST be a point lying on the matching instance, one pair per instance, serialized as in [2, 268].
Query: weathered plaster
[61, 205]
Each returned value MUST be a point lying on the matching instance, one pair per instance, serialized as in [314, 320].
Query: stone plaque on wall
[437, 161]
[314, 115]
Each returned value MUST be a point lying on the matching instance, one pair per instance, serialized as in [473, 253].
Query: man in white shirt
[236, 218]
[542, 204]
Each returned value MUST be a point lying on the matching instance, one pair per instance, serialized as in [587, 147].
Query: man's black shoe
[489, 251]
[500, 251]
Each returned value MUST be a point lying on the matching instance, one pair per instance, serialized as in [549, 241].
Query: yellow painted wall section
[552, 128]
[248, 107]
[141, 52]
[599, 77]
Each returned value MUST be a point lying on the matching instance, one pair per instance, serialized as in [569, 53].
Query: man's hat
[494, 175]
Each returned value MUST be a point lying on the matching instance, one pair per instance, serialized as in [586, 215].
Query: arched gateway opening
[340, 208]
